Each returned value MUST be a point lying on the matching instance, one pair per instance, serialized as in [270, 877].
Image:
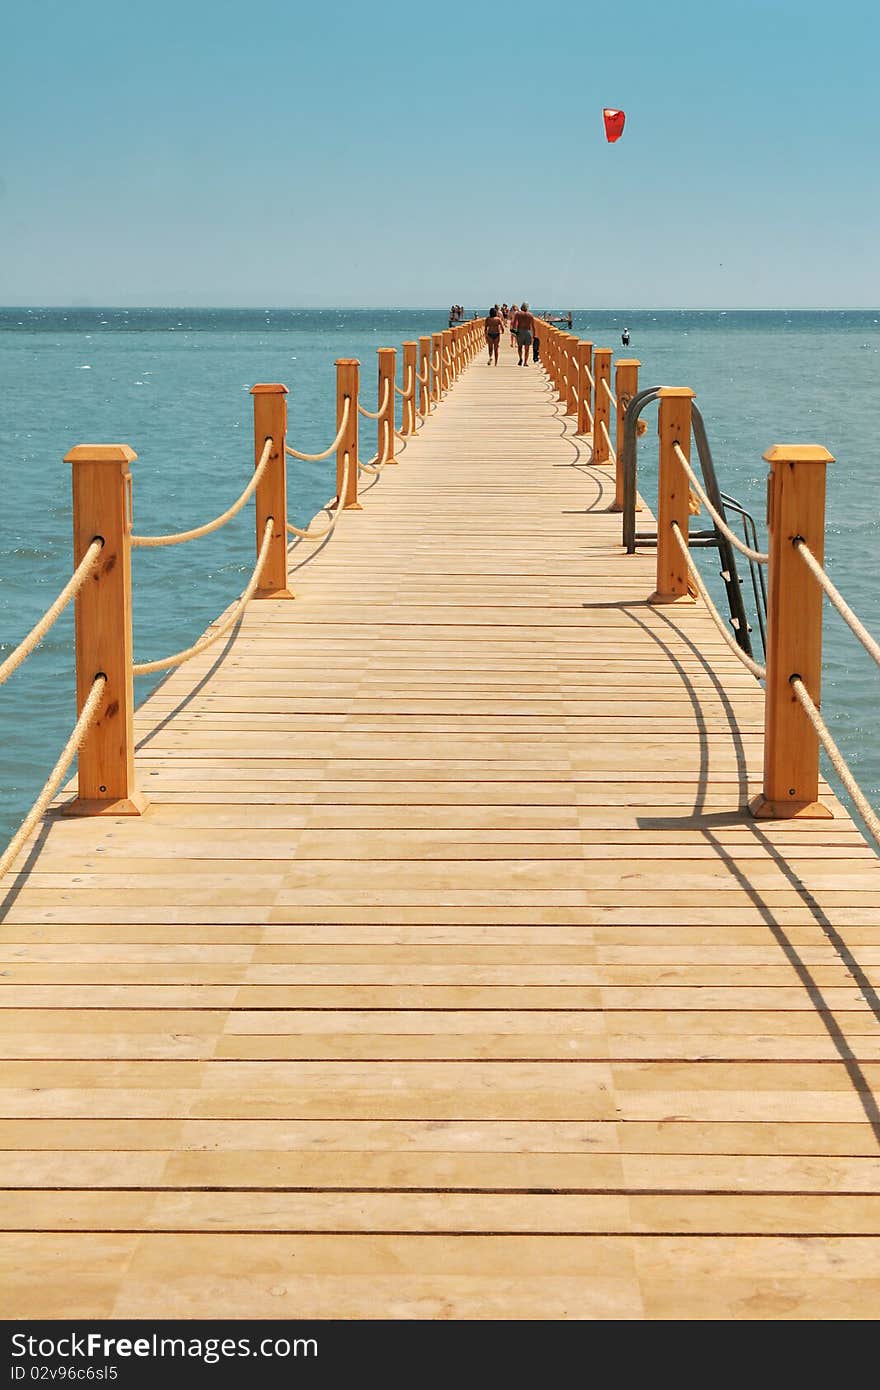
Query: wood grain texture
[446, 952]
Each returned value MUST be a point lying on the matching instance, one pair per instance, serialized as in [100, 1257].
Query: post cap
[410, 342]
[670, 392]
[627, 362]
[386, 349]
[100, 453]
[596, 351]
[798, 453]
[269, 388]
[347, 362]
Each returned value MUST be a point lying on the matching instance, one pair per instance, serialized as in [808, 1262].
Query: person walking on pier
[493, 330]
[525, 331]
[511, 323]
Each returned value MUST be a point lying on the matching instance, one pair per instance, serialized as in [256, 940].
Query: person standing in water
[624, 337]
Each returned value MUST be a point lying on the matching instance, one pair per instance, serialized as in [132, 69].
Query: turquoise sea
[174, 385]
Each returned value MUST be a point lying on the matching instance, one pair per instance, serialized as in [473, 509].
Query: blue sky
[400, 154]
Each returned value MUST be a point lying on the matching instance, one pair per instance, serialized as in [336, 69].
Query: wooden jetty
[446, 974]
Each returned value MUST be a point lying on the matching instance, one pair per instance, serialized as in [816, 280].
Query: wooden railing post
[425, 371]
[585, 408]
[571, 374]
[626, 385]
[445, 369]
[601, 404]
[437, 366]
[387, 372]
[106, 783]
[795, 507]
[409, 383]
[674, 495]
[347, 388]
[270, 422]
[563, 368]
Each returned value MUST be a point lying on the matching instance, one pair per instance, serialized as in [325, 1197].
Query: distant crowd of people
[519, 321]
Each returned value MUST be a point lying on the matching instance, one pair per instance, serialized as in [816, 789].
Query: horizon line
[434, 308]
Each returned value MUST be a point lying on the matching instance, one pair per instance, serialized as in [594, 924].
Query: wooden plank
[446, 917]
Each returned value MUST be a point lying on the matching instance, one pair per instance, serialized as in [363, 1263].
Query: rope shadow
[813, 990]
[196, 689]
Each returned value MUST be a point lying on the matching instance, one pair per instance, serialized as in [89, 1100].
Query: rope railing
[377, 414]
[88, 715]
[759, 672]
[104, 748]
[759, 556]
[308, 534]
[871, 646]
[143, 668]
[606, 387]
[376, 464]
[54, 611]
[179, 537]
[410, 387]
[866, 811]
[325, 454]
[612, 456]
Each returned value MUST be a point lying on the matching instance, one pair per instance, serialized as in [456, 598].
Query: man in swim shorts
[525, 330]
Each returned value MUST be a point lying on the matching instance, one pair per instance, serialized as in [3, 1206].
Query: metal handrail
[711, 537]
[759, 584]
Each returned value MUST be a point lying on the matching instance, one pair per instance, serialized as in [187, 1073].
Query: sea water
[174, 384]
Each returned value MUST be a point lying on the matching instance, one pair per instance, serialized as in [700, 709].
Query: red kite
[614, 123]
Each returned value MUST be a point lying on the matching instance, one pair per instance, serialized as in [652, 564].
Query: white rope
[410, 386]
[612, 456]
[871, 646]
[377, 414]
[308, 534]
[379, 462]
[759, 672]
[758, 555]
[607, 389]
[87, 717]
[39, 630]
[316, 458]
[865, 809]
[180, 536]
[142, 668]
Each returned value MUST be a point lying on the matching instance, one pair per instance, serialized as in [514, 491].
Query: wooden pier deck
[445, 976]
